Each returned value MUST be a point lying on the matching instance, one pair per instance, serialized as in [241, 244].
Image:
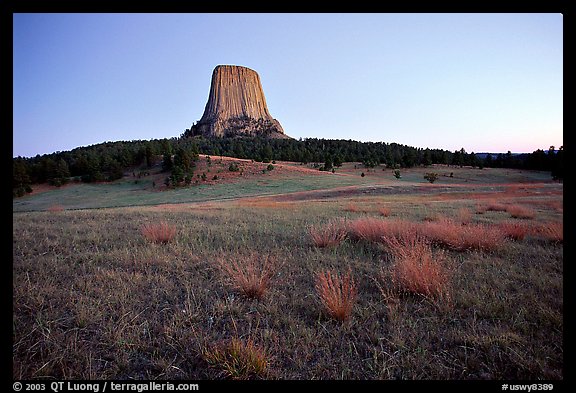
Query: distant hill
[483, 155]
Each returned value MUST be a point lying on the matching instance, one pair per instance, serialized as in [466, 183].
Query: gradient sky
[482, 82]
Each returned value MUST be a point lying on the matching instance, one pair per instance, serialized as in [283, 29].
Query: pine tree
[149, 155]
[184, 159]
[167, 163]
[20, 178]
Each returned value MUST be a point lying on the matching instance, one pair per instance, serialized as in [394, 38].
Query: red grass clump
[384, 211]
[250, 274]
[374, 229]
[416, 269]
[518, 211]
[160, 232]
[553, 231]
[443, 232]
[330, 234]
[56, 208]
[494, 206]
[556, 205]
[514, 230]
[337, 293]
[369, 229]
[458, 237]
[352, 208]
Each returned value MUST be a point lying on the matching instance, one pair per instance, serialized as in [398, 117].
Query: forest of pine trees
[109, 160]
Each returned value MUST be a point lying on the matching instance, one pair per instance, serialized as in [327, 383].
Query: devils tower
[236, 106]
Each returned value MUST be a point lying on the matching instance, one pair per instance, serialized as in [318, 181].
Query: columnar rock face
[236, 106]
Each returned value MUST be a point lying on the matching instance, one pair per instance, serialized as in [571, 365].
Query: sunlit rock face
[236, 106]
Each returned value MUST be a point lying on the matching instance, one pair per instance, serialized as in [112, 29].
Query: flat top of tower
[232, 66]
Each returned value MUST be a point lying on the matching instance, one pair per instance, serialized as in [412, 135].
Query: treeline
[371, 154]
[101, 162]
[108, 161]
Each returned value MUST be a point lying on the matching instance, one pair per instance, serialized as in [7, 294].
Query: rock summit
[236, 106]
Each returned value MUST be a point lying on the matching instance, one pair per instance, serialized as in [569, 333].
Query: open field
[293, 274]
[255, 180]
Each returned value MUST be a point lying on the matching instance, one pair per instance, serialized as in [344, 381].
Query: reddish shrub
[161, 232]
[514, 230]
[416, 269]
[384, 211]
[553, 231]
[443, 232]
[374, 229]
[337, 293]
[369, 229]
[461, 238]
[556, 205]
[518, 211]
[248, 274]
[495, 206]
[352, 208]
[330, 234]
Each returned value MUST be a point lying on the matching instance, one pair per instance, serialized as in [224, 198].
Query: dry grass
[443, 232]
[250, 275]
[328, 235]
[385, 211]
[390, 296]
[352, 208]
[161, 232]
[55, 208]
[555, 205]
[458, 237]
[431, 217]
[494, 206]
[514, 230]
[91, 300]
[368, 229]
[519, 211]
[337, 293]
[464, 216]
[416, 269]
[515, 211]
[552, 231]
[374, 229]
[490, 205]
[238, 359]
[480, 208]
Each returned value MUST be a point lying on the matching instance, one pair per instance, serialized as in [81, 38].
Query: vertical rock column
[236, 104]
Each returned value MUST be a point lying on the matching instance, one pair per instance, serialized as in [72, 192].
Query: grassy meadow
[336, 277]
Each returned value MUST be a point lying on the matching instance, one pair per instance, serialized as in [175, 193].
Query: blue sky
[484, 82]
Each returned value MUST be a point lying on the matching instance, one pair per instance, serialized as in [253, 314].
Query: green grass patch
[122, 194]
